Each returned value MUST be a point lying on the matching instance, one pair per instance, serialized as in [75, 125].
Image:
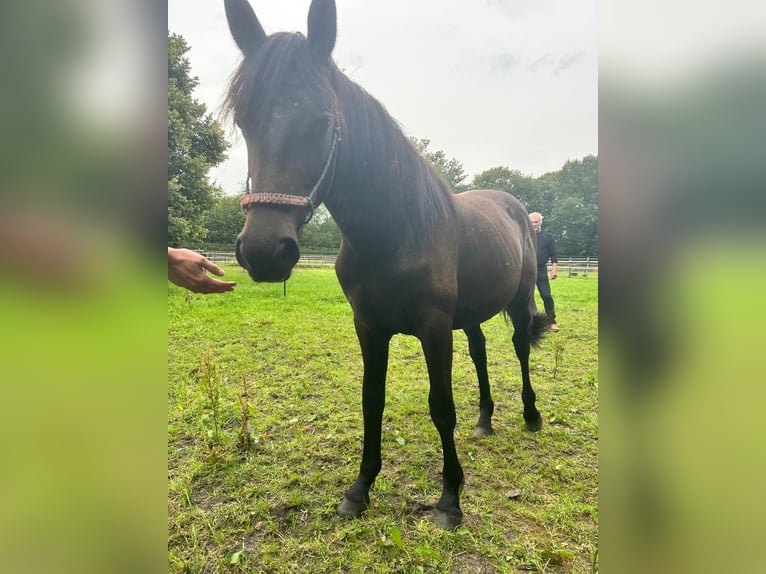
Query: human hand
[186, 268]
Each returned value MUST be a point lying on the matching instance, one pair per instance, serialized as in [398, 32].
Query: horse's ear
[322, 27]
[244, 25]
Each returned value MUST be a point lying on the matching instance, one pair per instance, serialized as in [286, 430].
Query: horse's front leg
[436, 340]
[375, 356]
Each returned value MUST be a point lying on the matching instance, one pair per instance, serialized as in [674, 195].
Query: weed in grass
[209, 380]
[245, 438]
[186, 497]
[558, 354]
[237, 556]
[396, 536]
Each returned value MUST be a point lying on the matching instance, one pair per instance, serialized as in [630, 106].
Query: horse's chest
[389, 302]
[393, 294]
[383, 307]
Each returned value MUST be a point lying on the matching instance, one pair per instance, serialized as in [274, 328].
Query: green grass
[266, 504]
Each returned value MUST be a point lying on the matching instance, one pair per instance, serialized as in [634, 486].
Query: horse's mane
[376, 158]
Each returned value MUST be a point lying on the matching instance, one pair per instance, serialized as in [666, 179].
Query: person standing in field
[546, 250]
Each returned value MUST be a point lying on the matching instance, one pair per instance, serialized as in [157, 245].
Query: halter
[309, 200]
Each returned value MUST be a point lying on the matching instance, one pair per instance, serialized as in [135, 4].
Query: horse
[414, 257]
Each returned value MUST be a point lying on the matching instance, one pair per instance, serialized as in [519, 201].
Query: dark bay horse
[414, 259]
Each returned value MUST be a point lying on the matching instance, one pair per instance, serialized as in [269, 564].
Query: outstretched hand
[186, 268]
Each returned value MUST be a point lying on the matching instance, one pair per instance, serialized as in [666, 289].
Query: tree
[574, 216]
[195, 144]
[224, 221]
[321, 234]
[524, 187]
[567, 199]
[450, 169]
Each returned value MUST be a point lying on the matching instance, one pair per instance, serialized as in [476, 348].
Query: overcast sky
[491, 82]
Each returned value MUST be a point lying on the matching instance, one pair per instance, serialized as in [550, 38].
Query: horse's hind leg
[478, 349]
[375, 357]
[522, 325]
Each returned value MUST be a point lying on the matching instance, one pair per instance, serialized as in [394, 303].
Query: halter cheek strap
[312, 200]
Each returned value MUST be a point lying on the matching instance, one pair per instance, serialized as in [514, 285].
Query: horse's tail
[536, 323]
[537, 327]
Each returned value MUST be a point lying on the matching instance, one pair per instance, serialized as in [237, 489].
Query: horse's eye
[319, 127]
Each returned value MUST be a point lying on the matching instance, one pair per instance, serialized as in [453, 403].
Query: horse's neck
[364, 219]
[370, 191]
[381, 180]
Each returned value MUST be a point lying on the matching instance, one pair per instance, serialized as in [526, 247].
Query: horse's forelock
[263, 72]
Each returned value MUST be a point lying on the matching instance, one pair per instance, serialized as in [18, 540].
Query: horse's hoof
[448, 520]
[483, 431]
[350, 509]
[535, 425]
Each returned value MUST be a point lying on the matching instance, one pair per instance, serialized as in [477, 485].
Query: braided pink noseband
[311, 200]
[278, 198]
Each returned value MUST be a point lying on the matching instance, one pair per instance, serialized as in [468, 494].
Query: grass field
[254, 474]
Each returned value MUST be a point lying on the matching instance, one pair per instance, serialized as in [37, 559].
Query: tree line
[202, 216]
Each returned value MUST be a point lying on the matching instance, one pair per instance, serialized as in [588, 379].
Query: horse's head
[282, 99]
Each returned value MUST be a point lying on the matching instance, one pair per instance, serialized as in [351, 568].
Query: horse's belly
[482, 300]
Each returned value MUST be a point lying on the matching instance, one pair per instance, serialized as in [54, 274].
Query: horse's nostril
[238, 254]
[288, 251]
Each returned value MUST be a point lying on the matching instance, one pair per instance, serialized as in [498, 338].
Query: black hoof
[448, 520]
[350, 509]
[483, 431]
[535, 425]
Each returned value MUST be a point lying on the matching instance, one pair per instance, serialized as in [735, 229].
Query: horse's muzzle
[267, 261]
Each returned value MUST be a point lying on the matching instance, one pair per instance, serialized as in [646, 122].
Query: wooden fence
[220, 257]
[569, 266]
[306, 260]
[574, 266]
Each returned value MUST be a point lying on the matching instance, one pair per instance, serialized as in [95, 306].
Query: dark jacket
[546, 249]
